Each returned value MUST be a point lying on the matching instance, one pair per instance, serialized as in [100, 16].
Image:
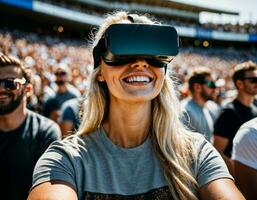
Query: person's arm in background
[224, 129]
[246, 179]
[244, 155]
[220, 143]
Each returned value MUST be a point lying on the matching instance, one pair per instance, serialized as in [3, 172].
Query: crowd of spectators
[45, 53]
[249, 28]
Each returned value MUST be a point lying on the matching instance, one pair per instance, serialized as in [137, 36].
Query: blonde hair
[172, 142]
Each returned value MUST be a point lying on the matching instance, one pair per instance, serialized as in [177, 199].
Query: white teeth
[138, 79]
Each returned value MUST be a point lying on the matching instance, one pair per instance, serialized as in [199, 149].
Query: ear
[239, 84]
[29, 89]
[100, 78]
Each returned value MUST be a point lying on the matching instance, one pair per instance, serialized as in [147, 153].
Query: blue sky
[247, 9]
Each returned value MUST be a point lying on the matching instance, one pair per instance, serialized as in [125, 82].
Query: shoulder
[245, 144]
[228, 109]
[211, 105]
[73, 90]
[71, 104]
[229, 106]
[186, 102]
[79, 143]
[189, 105]
[246, 135]
[42, 124]
[40, 119]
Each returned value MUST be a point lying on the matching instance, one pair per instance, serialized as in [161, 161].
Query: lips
[4, 95]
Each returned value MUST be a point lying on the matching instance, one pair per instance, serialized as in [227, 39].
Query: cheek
[160, 76]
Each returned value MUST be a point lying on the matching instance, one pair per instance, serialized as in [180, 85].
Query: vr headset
[124, 43]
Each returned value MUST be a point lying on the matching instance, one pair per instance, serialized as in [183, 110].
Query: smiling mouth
[4, 96]
[138, 80]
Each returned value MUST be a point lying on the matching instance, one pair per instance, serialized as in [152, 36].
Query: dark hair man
[200, 111]
[237, 112]
[24, 135]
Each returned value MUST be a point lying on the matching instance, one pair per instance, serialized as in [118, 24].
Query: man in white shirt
[244, 155]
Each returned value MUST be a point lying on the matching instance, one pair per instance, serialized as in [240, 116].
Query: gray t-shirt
[200, 118]
[98, 169]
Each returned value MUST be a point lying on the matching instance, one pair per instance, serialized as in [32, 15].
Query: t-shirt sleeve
[48, 133]
[226, 123]
[245, 147]
[210, 165]
[56, 164]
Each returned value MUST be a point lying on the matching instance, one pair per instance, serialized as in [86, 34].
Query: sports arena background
[45, 33]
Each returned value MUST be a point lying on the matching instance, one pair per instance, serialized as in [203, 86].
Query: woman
[131, 143]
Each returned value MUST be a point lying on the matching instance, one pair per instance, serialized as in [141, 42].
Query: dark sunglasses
[155, 61]
[210, 84]
[60, 73]
[251, 79]
[12, 84]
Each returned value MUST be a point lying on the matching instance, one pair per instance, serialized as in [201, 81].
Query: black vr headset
[124, 43]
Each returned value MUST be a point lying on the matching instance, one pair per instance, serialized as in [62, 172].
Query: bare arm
[220, 189]
[246, 179]
[220, 143]
[53, 191]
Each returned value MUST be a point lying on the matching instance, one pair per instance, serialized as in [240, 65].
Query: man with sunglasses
[201, 110]
[238, 111]
[64, 91]
[24, 135]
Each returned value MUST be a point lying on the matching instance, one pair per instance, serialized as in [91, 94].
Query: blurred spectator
[200, 110]
[63, 92]
[69, 120]
[24, 135]
[220, 91]
[43, 52]
[244, 155]
[46, 91]
[86, 7]
[238, 111]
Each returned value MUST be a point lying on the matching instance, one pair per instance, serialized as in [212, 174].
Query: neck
[13, 120]
[245, 99]
[128, 125]
[62, 88]
[198, 100]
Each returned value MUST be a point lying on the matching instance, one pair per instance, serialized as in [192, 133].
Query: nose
[140, 63]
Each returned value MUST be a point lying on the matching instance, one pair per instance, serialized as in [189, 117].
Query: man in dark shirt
[24, 135]
[240, 110]
[64, 91]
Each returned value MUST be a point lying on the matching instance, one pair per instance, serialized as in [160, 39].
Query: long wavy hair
[172, 142]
